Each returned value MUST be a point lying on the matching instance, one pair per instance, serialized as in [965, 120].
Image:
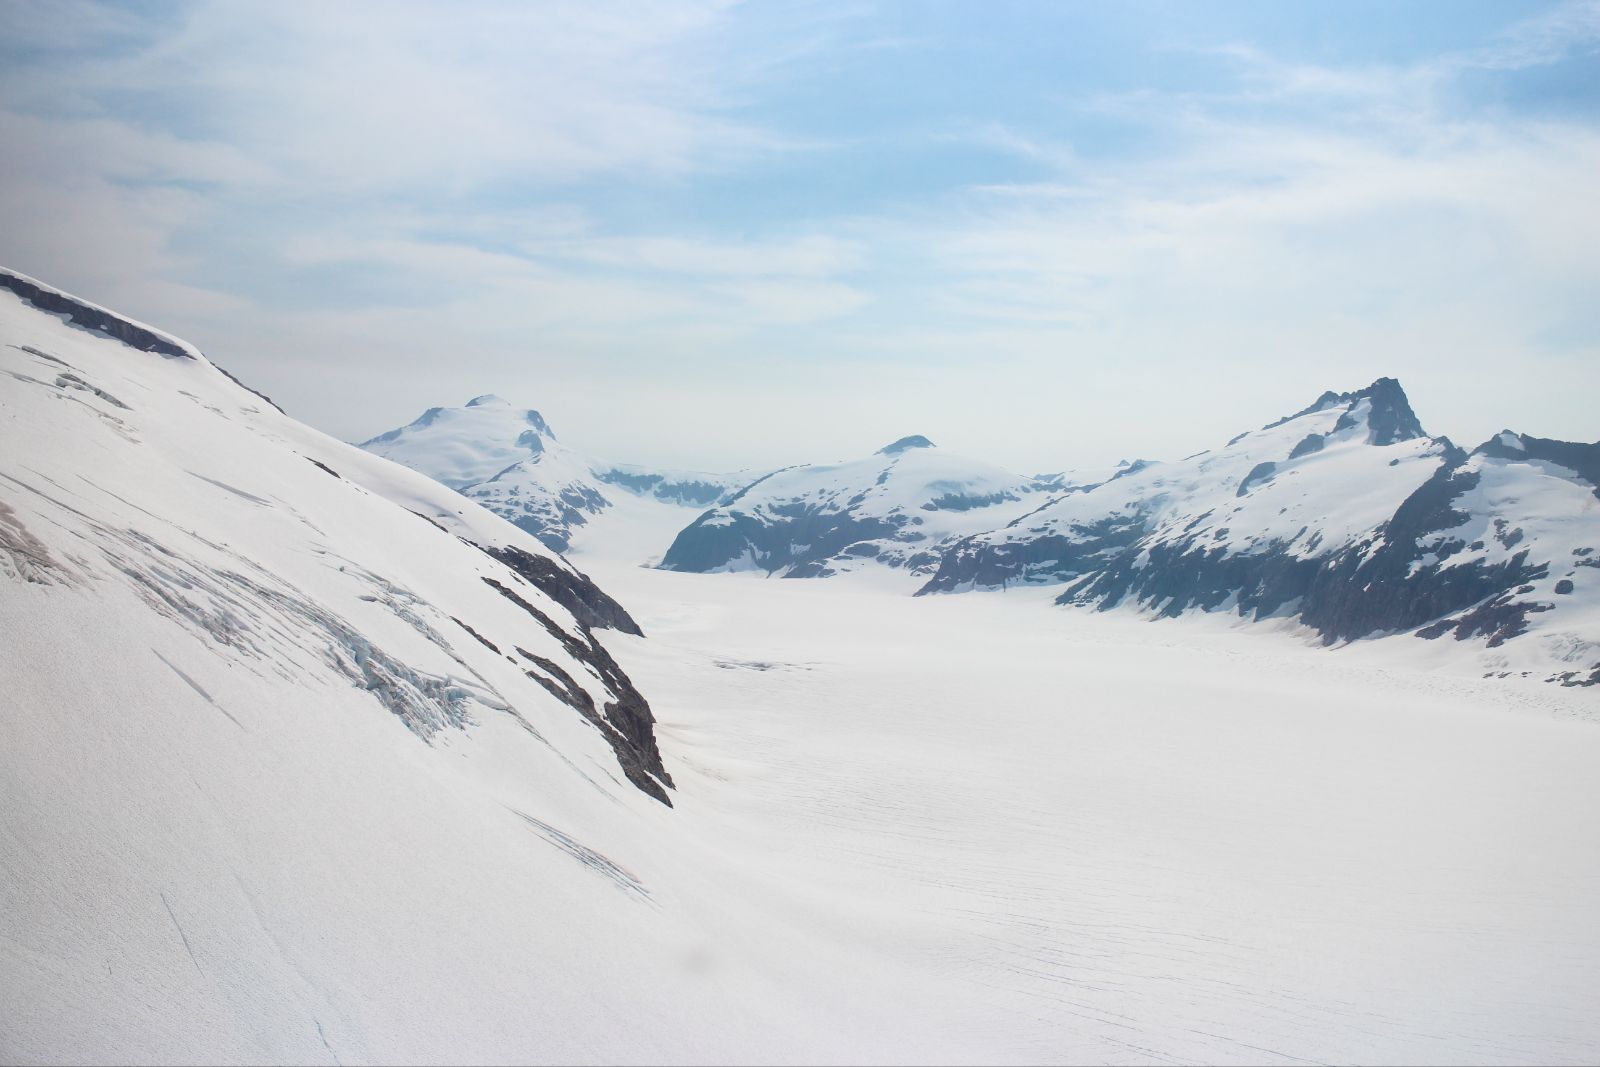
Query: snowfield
[285, 778]
[1112, 840]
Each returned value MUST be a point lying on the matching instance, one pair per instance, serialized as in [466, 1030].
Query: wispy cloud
[605, 205]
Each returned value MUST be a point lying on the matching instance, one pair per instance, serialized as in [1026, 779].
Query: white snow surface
[951, 829]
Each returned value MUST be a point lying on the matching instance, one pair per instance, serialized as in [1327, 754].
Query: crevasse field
[975, 828]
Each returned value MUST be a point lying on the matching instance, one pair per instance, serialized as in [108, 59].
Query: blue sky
[715, 235]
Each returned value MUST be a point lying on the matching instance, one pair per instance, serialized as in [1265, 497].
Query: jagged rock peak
[1389, 418]
[1392, 419]
[916, 440]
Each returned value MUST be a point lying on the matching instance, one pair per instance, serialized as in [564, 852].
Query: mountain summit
[509, 460]
[916, 440]
[900, 508]
[1383, 406]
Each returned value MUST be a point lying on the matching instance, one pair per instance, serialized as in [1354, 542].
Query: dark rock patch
[692, 492]
[1259, 473]
[916, 440]
[572, 589]
[482, 640]
[1311, 442]
[626, 722]
[966, 502]
[1052, 557]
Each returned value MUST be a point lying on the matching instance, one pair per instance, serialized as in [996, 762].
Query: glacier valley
[311, 758]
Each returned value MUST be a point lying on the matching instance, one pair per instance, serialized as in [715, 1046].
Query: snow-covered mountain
[1496, 546]
[1342, 516]
[1345, 515]
[162, 492]
[510, 461]
[1182, 534]
[900, 507]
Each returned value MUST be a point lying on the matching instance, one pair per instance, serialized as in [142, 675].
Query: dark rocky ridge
[89, 317]
[85, 315]
[572, 589]
[1582, 459]
[627, 723]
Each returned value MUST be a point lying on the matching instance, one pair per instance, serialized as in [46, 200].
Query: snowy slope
[510, 461]
[900, 508]
[229, 519]
[244, 665]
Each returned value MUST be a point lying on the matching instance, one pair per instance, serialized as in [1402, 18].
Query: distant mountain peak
[916, 440]
[487, 400]
[1390, 419]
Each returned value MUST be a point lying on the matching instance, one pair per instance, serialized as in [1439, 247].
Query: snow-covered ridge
[1344, 516]
[1300, 488]
[510, 461]
[167, 494]
[80, 312]
[899, 508]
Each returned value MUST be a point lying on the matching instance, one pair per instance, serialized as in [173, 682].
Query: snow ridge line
[94, 317]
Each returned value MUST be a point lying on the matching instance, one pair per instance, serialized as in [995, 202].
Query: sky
[720, 235]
